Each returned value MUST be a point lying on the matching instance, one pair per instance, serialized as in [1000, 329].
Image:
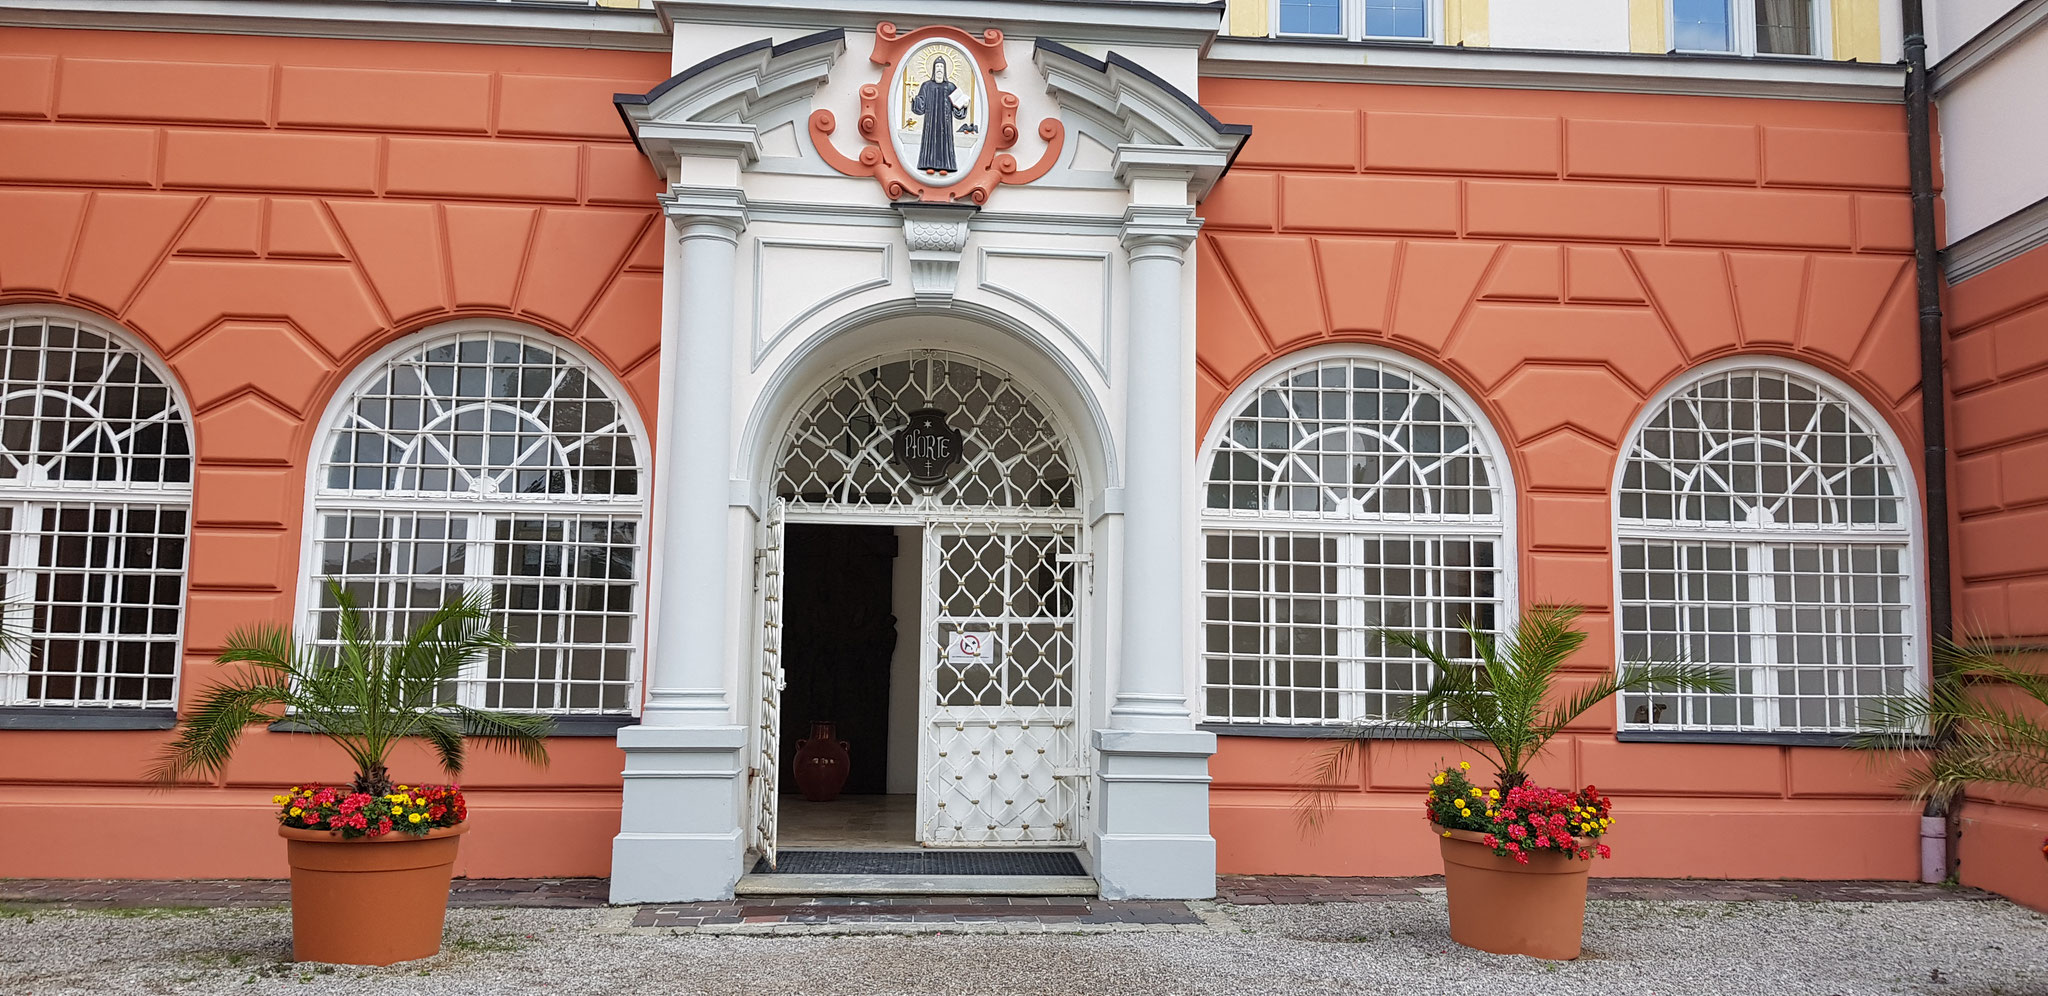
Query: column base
[683, 819]
[1152, 825]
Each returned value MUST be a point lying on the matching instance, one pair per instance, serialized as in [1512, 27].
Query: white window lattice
[95, 499]
[1763, 526]
[840, 451]
[489, 459]
[1345, 495]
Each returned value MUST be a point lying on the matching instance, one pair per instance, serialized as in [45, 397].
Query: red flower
[1517, 832]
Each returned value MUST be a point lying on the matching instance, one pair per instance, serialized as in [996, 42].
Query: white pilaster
[1152, 831]
[681, 825]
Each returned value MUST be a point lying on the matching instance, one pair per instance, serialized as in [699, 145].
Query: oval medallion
[938, 103]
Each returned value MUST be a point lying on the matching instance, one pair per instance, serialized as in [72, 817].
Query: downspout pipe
[1938, 819]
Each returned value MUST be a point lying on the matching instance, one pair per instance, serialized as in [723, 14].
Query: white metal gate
[763, 779]
[1003, 754]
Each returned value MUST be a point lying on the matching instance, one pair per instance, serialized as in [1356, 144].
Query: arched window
[1763, 524]
[1347, 492]
[841, 452]
[495, 458]
[95, 499]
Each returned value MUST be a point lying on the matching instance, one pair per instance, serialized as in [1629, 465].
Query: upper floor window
[491, 458]
[95, 507]
[1349, 491]
[1747, 27]
[1356, 19]
[1762, 525]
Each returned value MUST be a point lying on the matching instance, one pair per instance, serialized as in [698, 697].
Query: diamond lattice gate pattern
[1001, 756]
[1004, 560]
[764, 781]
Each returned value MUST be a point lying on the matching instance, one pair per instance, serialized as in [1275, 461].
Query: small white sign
[971, 648]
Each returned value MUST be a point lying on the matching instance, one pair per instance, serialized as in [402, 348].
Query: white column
[1151, 689]
[683, 818]
[1151, 832]
[686, 662]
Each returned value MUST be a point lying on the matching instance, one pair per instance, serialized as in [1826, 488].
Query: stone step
[784, 884]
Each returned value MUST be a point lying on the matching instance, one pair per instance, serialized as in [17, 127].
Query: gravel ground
[1752, 949]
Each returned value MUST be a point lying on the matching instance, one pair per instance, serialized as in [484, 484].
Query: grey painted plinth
[1152, 833]
[681, 836]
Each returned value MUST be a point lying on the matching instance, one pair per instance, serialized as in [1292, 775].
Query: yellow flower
[414, 817]
[1493, 793]
[1432, 797]
[1475, 792]
[1439, 778]
[296, 811]
[1464, 766]
[1447, 833]
[277, 800]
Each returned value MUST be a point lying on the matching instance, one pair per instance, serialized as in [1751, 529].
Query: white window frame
[481, 512]
[1351, 535]
[1351, 15]
[27, 503]
[1742, 27]
[1761, 542]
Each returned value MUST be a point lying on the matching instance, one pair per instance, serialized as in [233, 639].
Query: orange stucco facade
[1562, 256]
[1998, 322]
[264, 213]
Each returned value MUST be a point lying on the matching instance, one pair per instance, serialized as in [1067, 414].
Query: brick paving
[1247, 890]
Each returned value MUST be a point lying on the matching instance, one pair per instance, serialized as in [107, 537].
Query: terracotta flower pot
[371, 900]
[1506, 907]
[822, 763]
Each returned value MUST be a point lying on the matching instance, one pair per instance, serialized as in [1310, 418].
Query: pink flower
[1490, 841]
[1517, 832]
[1542, 842]
[1604, 852]
[1522, 858]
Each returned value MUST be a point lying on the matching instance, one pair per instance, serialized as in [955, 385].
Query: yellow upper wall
[1855, 25]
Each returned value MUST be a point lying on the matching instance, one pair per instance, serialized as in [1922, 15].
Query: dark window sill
[74, 718]
[1716, 737]
[1277, 730]
[565, 726]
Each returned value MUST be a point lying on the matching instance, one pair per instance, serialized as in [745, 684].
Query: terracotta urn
[1500, 905]
[822, 763]
[370, 900]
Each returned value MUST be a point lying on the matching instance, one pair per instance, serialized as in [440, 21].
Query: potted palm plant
[1515, 855]
[370, 861]
[1980, 722]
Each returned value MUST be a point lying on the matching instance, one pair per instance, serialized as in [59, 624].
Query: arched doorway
[972, 477]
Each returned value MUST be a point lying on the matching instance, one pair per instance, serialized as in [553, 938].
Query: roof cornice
[1987, 45]
[472, 21]
[1186, 23]
[1531, 69]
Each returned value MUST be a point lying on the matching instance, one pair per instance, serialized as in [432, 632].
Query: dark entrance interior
[838, 633]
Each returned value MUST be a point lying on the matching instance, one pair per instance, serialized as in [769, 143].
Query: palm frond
[208, 736]
[362, 692]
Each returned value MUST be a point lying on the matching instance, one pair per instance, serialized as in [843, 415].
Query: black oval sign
[927, 447]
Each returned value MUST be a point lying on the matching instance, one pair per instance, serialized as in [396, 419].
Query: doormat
[923, 863]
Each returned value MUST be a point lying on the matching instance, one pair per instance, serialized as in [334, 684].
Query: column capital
[1159, 229]
[706, 211]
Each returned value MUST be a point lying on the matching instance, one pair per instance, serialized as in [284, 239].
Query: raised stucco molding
[936, 235]
[1143, 111]
[712, 107]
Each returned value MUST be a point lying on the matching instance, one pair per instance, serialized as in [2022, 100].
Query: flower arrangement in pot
[370, 861]
[1515, 853]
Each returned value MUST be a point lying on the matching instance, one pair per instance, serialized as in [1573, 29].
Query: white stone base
[1152, 826]
[681, 835]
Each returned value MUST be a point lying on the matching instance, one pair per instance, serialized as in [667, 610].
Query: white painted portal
[1064, 302]
[1001, 752]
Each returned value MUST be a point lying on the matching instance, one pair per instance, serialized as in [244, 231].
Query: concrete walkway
[1953, 944]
